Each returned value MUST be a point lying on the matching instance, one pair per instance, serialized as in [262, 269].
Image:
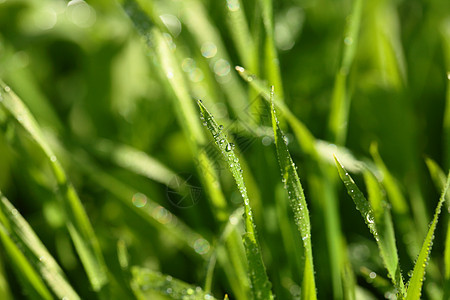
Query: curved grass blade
[146, 283]
[35, 251]
[298, 204]
[261, 286]
[78, 224]
[377, 218]
[416, 281]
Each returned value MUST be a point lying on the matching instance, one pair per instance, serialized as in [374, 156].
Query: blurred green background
[93, 85]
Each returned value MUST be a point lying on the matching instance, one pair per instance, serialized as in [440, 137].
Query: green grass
[141, 144]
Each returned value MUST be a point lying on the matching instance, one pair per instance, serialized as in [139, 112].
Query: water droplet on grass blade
[229, 147]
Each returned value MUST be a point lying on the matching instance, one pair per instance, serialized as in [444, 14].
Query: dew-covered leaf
[298, 204]
[377, 217]
[261, 286]
[35, 252]
[146, 283]
[415, 283]
[77, 221]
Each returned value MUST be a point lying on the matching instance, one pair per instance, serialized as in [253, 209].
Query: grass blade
[438, 177]
[78, 224]
[261, 285]
[35, 251]
[137, 162]
[29, 278]
[298, 204]
[321, 182]
[416, 281]
[378, 220]
[147, 283]
[340, 103]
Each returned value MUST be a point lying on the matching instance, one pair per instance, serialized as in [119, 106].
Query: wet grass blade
[36, 253]
[298, 204]
[377, 218]
[416, 281]
[77, 221]
[28, 277]
[146, 283]
[438, 177]
[261, 286]
[321, 182]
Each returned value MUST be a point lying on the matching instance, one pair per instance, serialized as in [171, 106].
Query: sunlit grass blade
[35, 251]
[77, 221]
[298, 204]
[147, 283]
[304, 136]
[340, 102]
[261, 286]
[206, 34]
[384, 26]
[32, 283]
[415, 283]
[271, 61]
[138, 162]
[240, 33]
[378, 220]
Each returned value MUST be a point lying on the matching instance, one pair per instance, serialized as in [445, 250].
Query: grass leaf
[261, 286]
[416, 281]
[29, 278]
[377, 218]
[36, 253]
[298, 204]
[147, 282]
[78, 224]
[340, 104]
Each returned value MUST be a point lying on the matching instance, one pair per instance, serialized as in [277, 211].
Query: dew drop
[7, 89]
[139, 200]
[229, 147]
[369, 219]
[201, 246]
[348, 40]
[220, 127]
[208, 49]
